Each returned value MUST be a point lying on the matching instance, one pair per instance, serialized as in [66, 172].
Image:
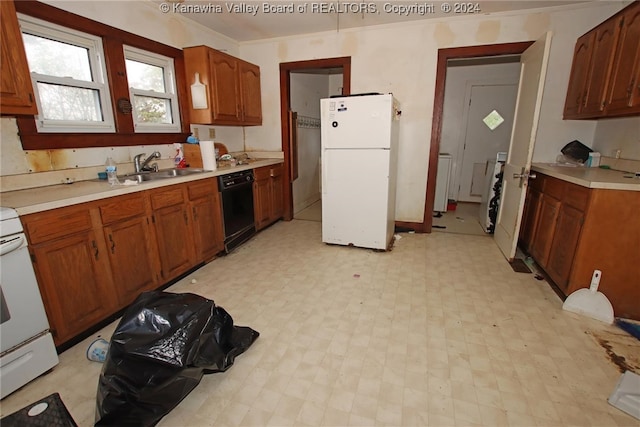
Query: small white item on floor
[97, 351]
[590, 302]
[626, 395]
[193, 281]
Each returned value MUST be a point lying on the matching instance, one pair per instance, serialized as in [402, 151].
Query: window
[152, 91]
[69, 78]
[85, 96]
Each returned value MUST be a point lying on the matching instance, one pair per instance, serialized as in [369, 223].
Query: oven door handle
[11, 245]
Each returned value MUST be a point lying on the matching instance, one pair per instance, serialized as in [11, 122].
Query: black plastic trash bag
[159, 352]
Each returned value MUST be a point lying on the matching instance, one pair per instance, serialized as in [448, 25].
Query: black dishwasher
[236, 193]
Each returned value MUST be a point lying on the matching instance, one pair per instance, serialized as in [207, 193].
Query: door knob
[524, 176]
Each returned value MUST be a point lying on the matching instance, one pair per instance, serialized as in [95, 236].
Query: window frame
[166, 63]
[113, 41]
[39, 28]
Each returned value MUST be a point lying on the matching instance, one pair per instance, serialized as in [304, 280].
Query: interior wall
[402, 59]
[618, 134]
[306, 92]
[453, 129]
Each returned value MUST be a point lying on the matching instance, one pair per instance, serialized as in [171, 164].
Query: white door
[482, 142]
[525, 125]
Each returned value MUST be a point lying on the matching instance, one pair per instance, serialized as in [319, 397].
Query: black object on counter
[576, 150]
[160, 350]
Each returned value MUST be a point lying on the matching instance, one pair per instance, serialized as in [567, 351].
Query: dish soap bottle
[111, 170]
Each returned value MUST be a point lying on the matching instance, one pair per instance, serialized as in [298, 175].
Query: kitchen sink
[161, 174]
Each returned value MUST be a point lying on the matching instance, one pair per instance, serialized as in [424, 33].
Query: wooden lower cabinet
[71, 263]
[173, 231]
[268, 196]
[545, 229]
[567, 233]
[95, 258]
[206, 214]
[574, 230]
[130, 246]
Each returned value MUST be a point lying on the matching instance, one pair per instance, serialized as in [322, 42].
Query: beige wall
[395, 58]
[402, 59]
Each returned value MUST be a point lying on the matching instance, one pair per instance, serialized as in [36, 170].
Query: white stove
[26, 346]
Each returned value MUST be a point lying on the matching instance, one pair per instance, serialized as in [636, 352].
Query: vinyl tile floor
[440, 331]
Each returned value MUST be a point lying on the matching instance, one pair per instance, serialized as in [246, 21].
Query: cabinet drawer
[554, 187]
[202, 188]
[123, 207]
[576, 196]
[275, 171]
[56, 223]
[168, 196]
[261, 173]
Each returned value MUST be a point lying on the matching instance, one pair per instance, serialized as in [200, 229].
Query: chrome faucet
[143, 166]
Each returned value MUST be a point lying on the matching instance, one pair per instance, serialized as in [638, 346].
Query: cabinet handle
[186, 218]
[113, 244]
[195, 213]
[93, 243]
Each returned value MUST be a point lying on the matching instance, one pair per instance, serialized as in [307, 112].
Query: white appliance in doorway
[27, 348]
[359, 142]
[441, 199]
[491, 196]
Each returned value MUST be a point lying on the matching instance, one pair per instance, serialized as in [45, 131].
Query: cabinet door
[565, 242]
[173, 233]
[132, 258]
[250, 89]
[206, 217]
[624, 91]
[576, 95]
[225, 88]
[604, 45]
[277, 194]
[16, 92]
[545, 229]
[73, 277]
[530, 218]
[261, 204]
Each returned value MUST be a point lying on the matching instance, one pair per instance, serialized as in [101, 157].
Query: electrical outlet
[212, 133]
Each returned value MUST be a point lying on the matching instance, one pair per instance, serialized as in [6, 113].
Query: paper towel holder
[198, 94]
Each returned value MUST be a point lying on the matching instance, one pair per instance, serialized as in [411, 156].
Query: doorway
[302, 85]
[444, 56]
[478, 112]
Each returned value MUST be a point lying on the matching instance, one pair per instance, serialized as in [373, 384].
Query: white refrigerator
[359, 141]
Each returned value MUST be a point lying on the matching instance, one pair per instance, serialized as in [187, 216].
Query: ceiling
[255, 20]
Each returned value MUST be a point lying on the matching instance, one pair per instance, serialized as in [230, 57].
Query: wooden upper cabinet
[606, 67]
[225, 87]
[232, 87]
[16, 91]
[250, 92]
[624, 89]
[604, 43]
[579, 74]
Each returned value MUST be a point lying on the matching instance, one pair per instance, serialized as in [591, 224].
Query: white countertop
[56, 196]
[607, 179]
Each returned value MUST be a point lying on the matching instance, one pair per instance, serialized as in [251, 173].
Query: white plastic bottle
[112, 171]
